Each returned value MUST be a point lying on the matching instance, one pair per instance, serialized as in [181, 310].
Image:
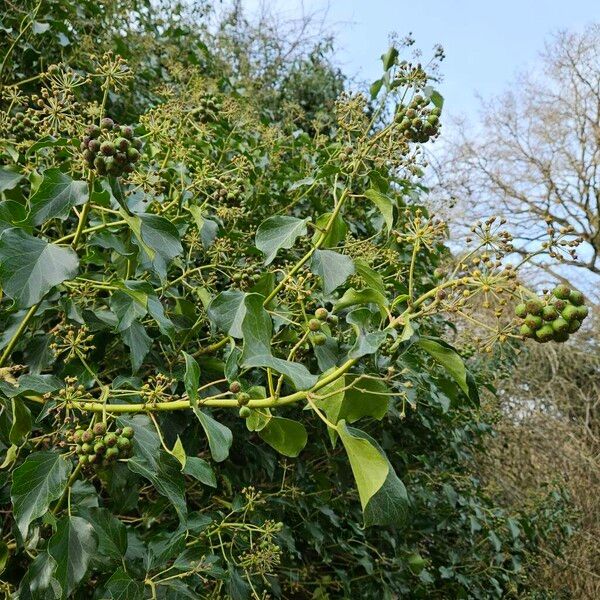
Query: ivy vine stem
[17, 334]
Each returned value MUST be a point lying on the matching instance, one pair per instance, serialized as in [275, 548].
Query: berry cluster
[418, 122]
[111, 149]
[207, 109]
[98, 446]
[554, 317]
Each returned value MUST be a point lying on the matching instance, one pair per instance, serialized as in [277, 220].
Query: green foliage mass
[222, 371]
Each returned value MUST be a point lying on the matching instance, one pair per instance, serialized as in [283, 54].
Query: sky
[487, 42]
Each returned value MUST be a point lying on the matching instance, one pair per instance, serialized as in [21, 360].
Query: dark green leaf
[111, 534]
[199, 469]
[121, 586]
[31, 267]
[384, 204]
[40, 480]
[227, 311]
[72, 547]
[446, 356]
[219, 437]
[9, 177]
[56, 196]
[139, 343]
[286, 436]
[278, 232]
[333, 268]
[21, 422]
[191, 378]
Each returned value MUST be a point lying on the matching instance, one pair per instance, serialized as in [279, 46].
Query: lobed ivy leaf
[72, 547]
[30, 267]
[40, 480]
[110, 532]
[332, 267]
[278, 232]
[122, 586]
[227, 311]
[56, 196]
[139, 343]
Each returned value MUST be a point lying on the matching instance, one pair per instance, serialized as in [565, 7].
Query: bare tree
[535, 158]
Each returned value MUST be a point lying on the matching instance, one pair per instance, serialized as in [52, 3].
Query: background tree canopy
[225, 367]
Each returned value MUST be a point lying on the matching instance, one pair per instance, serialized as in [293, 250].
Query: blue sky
[486, 41]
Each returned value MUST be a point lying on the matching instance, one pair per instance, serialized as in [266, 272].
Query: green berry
[245, 412]
[243, 398]
[99, 428]
[107, 123]
[321, 314]
[559, 304]
[77, 436]
[127, 432]
[314, 324]
[570, 313]
[92, 458]
[107, 148]
[319, 339]
[561, 336]
[123, 443]
[93, 131]
[582, 312]
[545, 333]
[112, 454]
[549, 313]
[86, 448]
[235, 387]
[560, 325]
[100, 164]
[574, 326]
[576, 297]
[526, 331]
[521, 310]
[83, 459]
[533, 321]
[87, 435]
[110, 439]
[127, 132]
[78, 449]
[562, 291]
[133, 155]
[99, 448]
[534, 306]
[122, 144]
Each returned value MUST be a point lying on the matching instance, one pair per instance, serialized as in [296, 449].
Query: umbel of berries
[553, 318]
[97, 446]
[111, 149]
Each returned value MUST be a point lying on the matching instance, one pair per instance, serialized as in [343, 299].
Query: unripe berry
[107, 123]
[123, 443]
[86, 448]
[87, 435]
[545, 333]
[562, 291]
[110, 439]
[559, 304]
[127, 132]
[83, 459]
[570, 313]
[99, 448]
[243, 398]
[77, 436]
[122, 144]
[534, 306]
[245, 412]
[576, 297]
[92, 458]
[533, 321]
[133, 154]
[526, 331]
[127, 432]
[112, 454]
[574, 326]
[99, 428]
[107, 148]
[100, 164]
[314, 324]
[561, 336]
[321, 314]
[549, 313]
[235, 387]
[560, 325]
[582, 312]
[319, 339]
[521, 310]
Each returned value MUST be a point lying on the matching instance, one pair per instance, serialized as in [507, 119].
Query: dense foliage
[222, 370]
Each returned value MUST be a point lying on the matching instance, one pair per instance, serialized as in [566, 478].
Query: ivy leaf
[332, 267]
[353, 297]
[286, 436]
[219, 437]
[199, 469]
[278, 232]
[110, 532]
[21, 422]
[337, 231]
[389, 58]
[121, 586]
[164, 472]
[389, 505]
[384, 204]
[72, 547]
[40, 480]
[56, 196]
[446, 356]
[372, 279]
[369, 467]
[178, 451]
[9, 178]
[191, 378]
[367, 340]
[139, 343]
[227, 311]
[31, 267]
[257, 329]
[38, 581]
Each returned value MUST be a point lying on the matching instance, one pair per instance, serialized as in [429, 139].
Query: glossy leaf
[332, 267]
[448, 358]
[219, 436]
[286, 436]
[278, 232]
[384, 204]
